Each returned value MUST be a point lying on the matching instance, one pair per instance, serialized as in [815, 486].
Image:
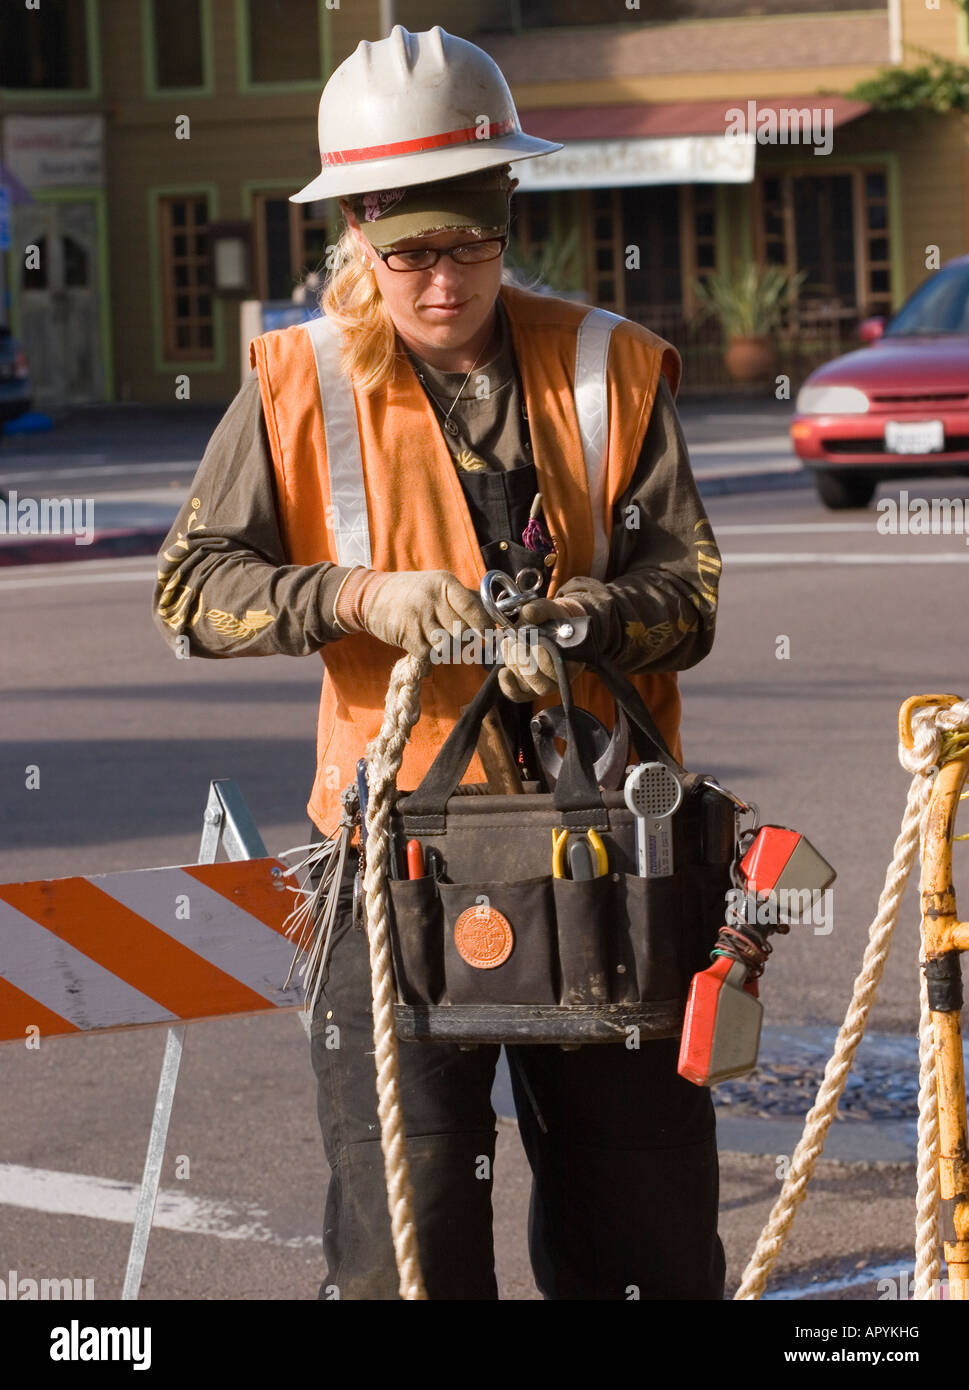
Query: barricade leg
[228, 824]
[153, 1161]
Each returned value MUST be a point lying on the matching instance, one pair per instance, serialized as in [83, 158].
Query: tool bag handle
[576, 796]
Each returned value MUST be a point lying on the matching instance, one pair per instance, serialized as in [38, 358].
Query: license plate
[920, 437]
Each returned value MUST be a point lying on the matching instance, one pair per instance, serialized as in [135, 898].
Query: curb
[109, 545]
[722, 485]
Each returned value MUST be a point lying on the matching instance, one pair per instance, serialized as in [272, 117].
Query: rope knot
[938, 731]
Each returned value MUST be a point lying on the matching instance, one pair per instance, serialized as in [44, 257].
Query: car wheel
[841, 489]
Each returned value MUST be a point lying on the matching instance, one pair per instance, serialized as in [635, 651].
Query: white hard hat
[414, 108]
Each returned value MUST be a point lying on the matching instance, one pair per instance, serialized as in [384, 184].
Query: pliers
[589, 860]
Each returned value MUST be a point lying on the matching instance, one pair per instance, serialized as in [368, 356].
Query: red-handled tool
[415, 859]
[721, 1027]
[784, 864]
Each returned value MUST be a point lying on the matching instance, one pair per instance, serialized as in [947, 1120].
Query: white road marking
[22, 580]
[731, 417]
[767, 444]
[792, 528]
[104, 1199]
[98, 470]
[869, 1275]
[821, 557]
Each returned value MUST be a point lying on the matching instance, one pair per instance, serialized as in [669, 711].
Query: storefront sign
[619, 163]
[55, 151]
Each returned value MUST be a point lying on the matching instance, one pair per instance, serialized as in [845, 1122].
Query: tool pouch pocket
[417, 941]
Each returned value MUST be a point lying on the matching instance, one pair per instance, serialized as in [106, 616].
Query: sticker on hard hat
[483, 937]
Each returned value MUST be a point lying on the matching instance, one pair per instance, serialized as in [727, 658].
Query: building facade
[139, 137]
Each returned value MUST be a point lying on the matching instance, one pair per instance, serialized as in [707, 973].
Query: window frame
[151, 90]
[68, 94]
[858, 167]
[247, 84]
[255, 192]
[160, 310]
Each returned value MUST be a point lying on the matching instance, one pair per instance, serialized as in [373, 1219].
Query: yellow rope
[953, 745]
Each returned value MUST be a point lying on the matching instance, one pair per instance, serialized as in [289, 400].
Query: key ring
[506, 606]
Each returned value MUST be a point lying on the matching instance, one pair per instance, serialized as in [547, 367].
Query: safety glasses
[468, 253]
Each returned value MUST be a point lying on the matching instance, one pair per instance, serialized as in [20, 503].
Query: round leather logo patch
[483, 937]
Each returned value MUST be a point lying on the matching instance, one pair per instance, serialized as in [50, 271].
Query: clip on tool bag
[504, 940]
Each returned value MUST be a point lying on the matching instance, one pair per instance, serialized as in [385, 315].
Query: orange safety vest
[417, 518]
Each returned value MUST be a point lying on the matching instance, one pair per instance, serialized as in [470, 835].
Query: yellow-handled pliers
[599, 856]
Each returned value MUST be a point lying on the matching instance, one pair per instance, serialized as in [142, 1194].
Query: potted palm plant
[749, 304]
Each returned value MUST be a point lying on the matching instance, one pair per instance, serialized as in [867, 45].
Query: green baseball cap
[478, 200]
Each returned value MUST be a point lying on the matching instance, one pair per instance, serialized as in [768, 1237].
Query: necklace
[451, 429]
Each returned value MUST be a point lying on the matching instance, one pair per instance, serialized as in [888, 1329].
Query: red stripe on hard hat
[426, 142]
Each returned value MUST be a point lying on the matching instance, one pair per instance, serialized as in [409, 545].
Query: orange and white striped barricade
[148, 947]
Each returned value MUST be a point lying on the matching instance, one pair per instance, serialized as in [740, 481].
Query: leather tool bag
[499, 950]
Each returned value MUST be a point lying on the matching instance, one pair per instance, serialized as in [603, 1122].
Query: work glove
[418, 611]
[528, 671]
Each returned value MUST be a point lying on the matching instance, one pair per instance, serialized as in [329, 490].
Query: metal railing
[814, 333]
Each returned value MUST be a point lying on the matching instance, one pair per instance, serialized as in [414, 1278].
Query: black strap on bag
[576, 794]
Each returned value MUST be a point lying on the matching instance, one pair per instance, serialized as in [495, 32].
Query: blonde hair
[351, 298]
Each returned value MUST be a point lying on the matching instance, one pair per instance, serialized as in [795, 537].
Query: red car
[898, 408]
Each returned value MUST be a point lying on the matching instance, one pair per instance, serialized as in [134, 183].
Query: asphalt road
[127, 738]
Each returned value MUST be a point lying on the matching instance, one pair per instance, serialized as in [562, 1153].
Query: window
[837, 228]
[645, 245]
[186, 279]
[604, 248]
[45, 47]
[651, 249]
[176, 28]
[284, 40]
[290, 241]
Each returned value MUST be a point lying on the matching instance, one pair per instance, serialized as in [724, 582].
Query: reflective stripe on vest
[592, 409]
[348, 496]
[347, 493]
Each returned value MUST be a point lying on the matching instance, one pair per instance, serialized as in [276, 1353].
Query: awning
[674, 142]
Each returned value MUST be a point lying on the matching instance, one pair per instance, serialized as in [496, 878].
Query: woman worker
[435, 424]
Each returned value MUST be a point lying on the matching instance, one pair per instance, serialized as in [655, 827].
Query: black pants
[624, 1159]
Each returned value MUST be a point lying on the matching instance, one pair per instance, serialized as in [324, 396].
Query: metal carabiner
[505, 607]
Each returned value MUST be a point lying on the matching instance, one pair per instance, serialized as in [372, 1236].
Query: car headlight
[831, 400]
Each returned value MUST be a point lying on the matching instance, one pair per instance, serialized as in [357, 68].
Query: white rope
[922, 761]
[384, 756]
[928, 1230]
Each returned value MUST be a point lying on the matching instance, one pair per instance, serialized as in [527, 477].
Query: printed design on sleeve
[708, 562]
[254, 621]
[653, 640]
[176, 599]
